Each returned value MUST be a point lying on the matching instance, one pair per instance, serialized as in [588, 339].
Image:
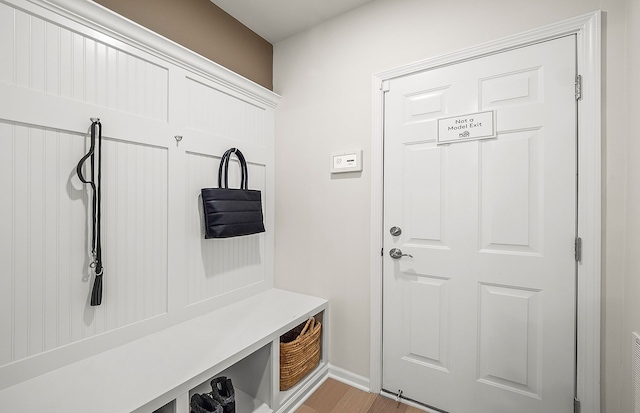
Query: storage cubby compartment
[302, 381]
[245, 347]
[167, 408]
[251, 378]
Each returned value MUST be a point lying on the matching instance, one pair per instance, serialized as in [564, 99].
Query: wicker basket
[299, 352]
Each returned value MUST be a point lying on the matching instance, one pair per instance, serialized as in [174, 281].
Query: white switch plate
[346, 161]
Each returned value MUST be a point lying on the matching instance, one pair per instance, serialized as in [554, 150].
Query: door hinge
[578, 87]
[576, 405]
[578, 249]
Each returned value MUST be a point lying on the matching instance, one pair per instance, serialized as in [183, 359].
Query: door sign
[474, 126]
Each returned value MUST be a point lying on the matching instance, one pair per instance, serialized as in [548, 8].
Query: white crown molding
[90, 14]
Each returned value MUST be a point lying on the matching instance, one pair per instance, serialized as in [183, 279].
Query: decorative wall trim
[65, 61]
[88, 13]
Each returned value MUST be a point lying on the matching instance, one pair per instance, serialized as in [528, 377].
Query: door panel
[480, 317]
[510, 193]
[508, 348]
[426, 303]
[424, 209]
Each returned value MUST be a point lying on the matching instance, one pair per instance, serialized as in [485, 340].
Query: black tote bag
[230, 212]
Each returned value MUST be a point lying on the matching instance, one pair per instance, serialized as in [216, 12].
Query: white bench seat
[144, 374]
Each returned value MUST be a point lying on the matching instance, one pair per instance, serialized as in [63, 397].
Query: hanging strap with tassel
[96, 177]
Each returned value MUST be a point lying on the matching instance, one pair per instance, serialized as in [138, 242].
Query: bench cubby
[159, 372]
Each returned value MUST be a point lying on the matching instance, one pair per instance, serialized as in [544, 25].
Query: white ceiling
[275, 20]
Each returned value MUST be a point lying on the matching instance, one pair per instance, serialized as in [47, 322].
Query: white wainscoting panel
[62, 63]
[219, 266]
[214, 111]
[134, 222]
[43, 56]
[46, 240]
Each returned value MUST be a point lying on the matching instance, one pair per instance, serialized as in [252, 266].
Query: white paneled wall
[217, 267]
[46, 57]
[42, 223]
[134, 222]
[228, 115]
[59, 69]
[46, 243]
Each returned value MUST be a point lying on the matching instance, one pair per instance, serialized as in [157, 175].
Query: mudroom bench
[159, 373]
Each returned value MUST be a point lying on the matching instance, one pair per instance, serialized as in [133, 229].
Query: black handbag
[230, 212]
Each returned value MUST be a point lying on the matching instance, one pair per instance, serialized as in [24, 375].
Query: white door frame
[588, 32]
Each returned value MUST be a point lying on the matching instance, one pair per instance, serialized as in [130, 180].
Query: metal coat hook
[94, 119]
[178, 138]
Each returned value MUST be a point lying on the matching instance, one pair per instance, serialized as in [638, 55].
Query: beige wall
[206, 29]
[323, 223]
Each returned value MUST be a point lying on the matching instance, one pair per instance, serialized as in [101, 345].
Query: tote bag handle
[223, 169]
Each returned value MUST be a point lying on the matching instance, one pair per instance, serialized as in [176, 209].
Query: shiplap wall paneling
[6, 244]
[45, 57]
[41, 229]
[58, 70]
[135, 235]
[7, 43]
[219, 118]
[46, 241]
[214, 110]
[219, 266]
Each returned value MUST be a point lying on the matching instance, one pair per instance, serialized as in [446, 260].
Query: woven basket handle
[308, 326]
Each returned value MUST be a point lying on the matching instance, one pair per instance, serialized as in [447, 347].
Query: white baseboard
[336, 373]
[349, 378]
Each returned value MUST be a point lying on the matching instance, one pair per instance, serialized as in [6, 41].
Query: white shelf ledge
[149, 372]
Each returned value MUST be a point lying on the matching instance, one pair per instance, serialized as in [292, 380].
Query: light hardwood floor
[336, 397]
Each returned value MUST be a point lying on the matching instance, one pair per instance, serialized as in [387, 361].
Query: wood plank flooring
[336, 397]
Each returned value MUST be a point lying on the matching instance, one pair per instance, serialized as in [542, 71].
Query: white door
[481, 318]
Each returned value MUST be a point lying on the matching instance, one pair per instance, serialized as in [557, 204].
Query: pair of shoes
[204, 403]
[223, 393]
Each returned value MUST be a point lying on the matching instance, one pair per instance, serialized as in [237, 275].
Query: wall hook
[94, 119]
